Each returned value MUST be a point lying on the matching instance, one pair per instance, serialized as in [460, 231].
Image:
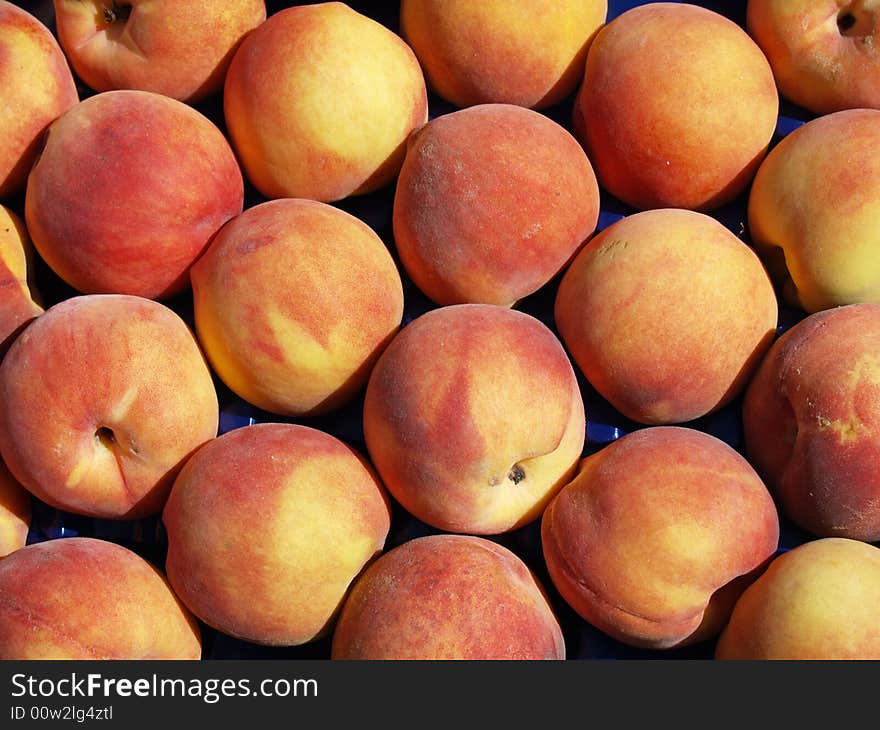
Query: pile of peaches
[440, 329]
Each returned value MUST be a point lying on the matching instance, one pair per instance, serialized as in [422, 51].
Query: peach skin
[18, 296]
[36, 86]
[448, 597]
[79, 598]
[677, 107]
[15, 513]
[319, 510]
[101, 400]
[128, 191]
[491, 203]
[473, 418]
[658, 534]
[293, 302]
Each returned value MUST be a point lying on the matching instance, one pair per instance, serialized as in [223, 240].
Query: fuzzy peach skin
[36, 87]
[127, 192]
[82, 598]
[667, 314]
[491, 203]
[677, 107]
[823, 52]
[474, 418]
[658, 534]
[319, 101]
[17, 293]
[15, 513]
[813, 208]
[101, 400]
[178, 49]
[267, 527]
[448, 597]
[293, 302]
[818, 601]
[811, 419]
[528, 53]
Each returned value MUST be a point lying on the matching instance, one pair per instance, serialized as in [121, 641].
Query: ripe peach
[82, 598]
[293, 302]
[128, 191]
[491, 203]
[267, 527]
[813, 209]
[677, 107]
[820, 600]
[657, 536]
[445, 597]
[15, 513]
[36, 86]
[17, 305]
[474, 418]
[811, 420]
[527, 53]
[822, 52]
[101, 399]
[319, 101]
[667, 313]
[181, 50]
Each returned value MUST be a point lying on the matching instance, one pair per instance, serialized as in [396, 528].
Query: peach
[36, 86]
[319, 101]
[667, 314]
[530, 54]
[448, 597]
[812, 211]
[473, 418]
[293, 302]
[181, 50]
[677, 107]
[15, 513]
[491, 203]
[822, 52]
[129, 189]
[17, 293]
[101, 400]
[658, 534]
[82, 598]
[267, 527]
[818, 601]
[811, 419]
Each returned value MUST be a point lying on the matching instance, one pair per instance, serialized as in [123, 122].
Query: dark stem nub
[116, 13]
[516, 475]
[106, 436]
[845, 21]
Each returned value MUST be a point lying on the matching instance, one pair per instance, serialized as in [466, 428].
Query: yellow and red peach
[101, 400]
[667, 313]
[677, 107]
[811, 419]
[319, 101]
[293, 302]
[82, 598]
[822, 51]
[813, 208]
[818, 601]
[473, 418]
[658, 534]
[181, 50]
[530, 54]
[36, 86]
[17, 293]
[267, 527]
[448, 597]
[491, 203]
[15, 513]
[128, 191]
